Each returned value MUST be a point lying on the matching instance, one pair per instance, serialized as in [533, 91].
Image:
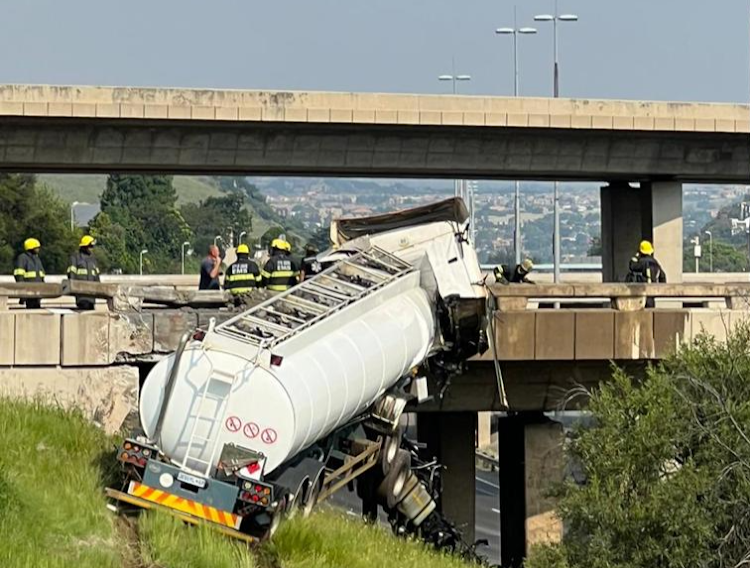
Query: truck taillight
[256, 493]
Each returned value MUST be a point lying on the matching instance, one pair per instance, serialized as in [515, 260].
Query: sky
[682, 50]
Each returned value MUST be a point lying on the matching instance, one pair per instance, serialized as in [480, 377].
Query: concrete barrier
[589, 335]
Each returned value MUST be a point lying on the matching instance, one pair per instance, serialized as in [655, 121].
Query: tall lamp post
[144, 251]
[242, 234]
[710, 251]
[515, 31]
[555, 18]
[458, 186]
[185, 244]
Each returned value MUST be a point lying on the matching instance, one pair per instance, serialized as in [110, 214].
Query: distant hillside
[88, 187]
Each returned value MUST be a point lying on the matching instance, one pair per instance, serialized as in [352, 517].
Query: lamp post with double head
[555, 18]
[515, 31]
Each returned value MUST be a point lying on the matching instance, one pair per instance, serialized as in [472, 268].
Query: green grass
[53, 514]
[88, 187]
[51, 511]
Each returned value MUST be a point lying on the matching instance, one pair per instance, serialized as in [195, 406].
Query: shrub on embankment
[53, 469]
[667, 467]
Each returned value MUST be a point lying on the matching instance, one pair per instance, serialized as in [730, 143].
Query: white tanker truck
[275, 409]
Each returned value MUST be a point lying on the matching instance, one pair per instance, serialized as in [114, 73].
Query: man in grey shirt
[210, 270]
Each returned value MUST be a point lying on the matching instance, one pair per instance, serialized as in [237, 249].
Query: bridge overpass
[191, 131]
[656, 145]
[94, 360]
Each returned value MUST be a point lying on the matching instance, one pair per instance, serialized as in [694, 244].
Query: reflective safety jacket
[29, 268]
[242, 276]
[280, 273]
[645, 268]
[83, 267]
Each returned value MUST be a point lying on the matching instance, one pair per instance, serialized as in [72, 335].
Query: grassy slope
[88, 187]
[52, 514]
[190, 189]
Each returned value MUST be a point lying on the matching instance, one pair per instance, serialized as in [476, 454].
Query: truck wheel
[294, 500]
[276, 517]
[391, 446]
[393, 484]
[311, 496]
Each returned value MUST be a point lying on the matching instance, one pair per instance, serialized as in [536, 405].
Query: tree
[726, 258]
[667, 467]
[274, 233]
[595, 247]
[217, 216]
[141, 213]
[28, 209]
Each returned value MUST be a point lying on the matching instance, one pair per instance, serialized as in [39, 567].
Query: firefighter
[243, 276]
[281, 271]
[29, 268]
[310, 264]
[83, 267]
[520, 274]
[644, 268]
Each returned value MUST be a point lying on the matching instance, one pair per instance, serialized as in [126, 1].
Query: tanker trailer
[275, 409]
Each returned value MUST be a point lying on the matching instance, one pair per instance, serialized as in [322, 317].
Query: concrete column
[621, 228]
[666, 226]
[530, 462]
[544, 468]
[484, 430]
[511, 469]
[629, 215]
[450, 436]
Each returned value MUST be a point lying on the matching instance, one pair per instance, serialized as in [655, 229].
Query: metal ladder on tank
[215, 376]
[302, 306]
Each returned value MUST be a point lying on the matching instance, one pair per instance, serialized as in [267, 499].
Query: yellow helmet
[87, 241]
[281, 245]
[243, 249]
[527, 265]
[646, 248]
[31, 244]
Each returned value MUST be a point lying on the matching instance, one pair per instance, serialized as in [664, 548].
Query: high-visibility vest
[280, 273]
[29, 268]
[242, 276]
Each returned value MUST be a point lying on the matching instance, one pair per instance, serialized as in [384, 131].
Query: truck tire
[295, 499]
[314, 488]
[391, 445]
[393, 484]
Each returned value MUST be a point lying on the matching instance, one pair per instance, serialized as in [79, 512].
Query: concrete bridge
[657, 146]
[191, 131]
[94, 360]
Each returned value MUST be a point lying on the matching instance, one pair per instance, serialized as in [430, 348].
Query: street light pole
[514, 31]
[186, 243]
[458, 187]
[242, 234]
[144, 251]
[555, 18]
[710, 251]
[73, 215]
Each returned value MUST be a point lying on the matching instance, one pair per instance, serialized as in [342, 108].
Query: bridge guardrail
[621, 297]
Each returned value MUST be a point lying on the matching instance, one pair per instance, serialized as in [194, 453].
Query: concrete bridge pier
[450, 437]
[630, 214]
[530, 462]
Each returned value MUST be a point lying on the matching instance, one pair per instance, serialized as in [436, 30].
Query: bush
[667, 467]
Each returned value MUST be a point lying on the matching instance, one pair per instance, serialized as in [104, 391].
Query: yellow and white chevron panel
[184, 505]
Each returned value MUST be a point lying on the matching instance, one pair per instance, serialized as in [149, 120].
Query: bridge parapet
[623, 297]
[605, 334]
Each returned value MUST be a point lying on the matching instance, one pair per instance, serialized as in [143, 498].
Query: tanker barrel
[170, 384]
